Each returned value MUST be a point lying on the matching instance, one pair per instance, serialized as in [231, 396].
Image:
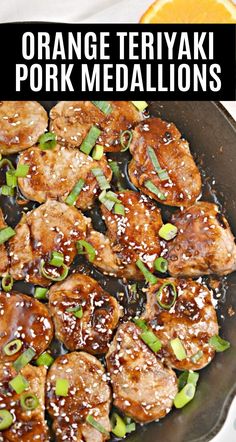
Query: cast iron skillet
[212, 136]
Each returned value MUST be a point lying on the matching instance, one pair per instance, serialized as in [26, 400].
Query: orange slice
[190, 11]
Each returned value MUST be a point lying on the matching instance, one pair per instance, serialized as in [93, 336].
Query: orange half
[190, 11]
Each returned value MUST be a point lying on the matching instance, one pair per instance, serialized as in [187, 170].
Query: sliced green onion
[117, 173]
[19, 384]
[162, 173]
[11, 179]
[104, 106]
[107, 202]
[140, 105]
[90, 250]
[154, 189]
[29, 401]
[140, 323]
[12, 347]
[173, 294]
[130, 427]
[101, 179]
[147, 275]
[73, 195]
[161, 264]
[178, 349]
[187, 377]
[90, 140]
[40, 293]
[119, 209]
[24, 359]
[62, 387]
[195, 358]
[91, 421]
[45, 359]
[98, 152]
[151, 340]
[77, 311]
[6, 234]
[6, 162]
[168, 231]
[47, 141]
[22, 170]
[125, 139]
[7, 283]
[218, 343]
[51, 277]
[118, 426]
[57, 259]
[112, 196]
[6, 419]
[7, 191]
[184, 396]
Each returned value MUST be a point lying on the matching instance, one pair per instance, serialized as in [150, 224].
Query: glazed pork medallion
[162, 164]
[23, 413]
[101, 325]
[54, 173]
[143, 388]
[204, 243]
[85, 316]
[130, 236]
[182, 312]
[25, 323]
[52, 227]
[86, 398]
[21, 124]
[72, 120]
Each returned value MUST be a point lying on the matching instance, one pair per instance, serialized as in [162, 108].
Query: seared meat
[123, 117]
[143, 388]
[54, 173]
[204, 243]
[129, 237]
[72, 120]
[89, 394]
[4, 262]
[192, 319]
[21, 124]
[182, 186]
[28, 425]
[53, 226]
[100, 314]
[24, 318]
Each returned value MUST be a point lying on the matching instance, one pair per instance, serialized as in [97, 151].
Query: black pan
[212, 136]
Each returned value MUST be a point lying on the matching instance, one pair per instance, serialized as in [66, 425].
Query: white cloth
[98, 11]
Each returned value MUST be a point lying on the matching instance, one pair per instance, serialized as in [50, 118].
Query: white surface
[98, 11]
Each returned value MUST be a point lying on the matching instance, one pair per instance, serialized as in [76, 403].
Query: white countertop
[98, 11]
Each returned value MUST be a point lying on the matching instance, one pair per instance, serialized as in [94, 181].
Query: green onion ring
[54, 278]
[29, 401]
[159, 293]
[123, 141]
[7, 283]
[12, 347]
